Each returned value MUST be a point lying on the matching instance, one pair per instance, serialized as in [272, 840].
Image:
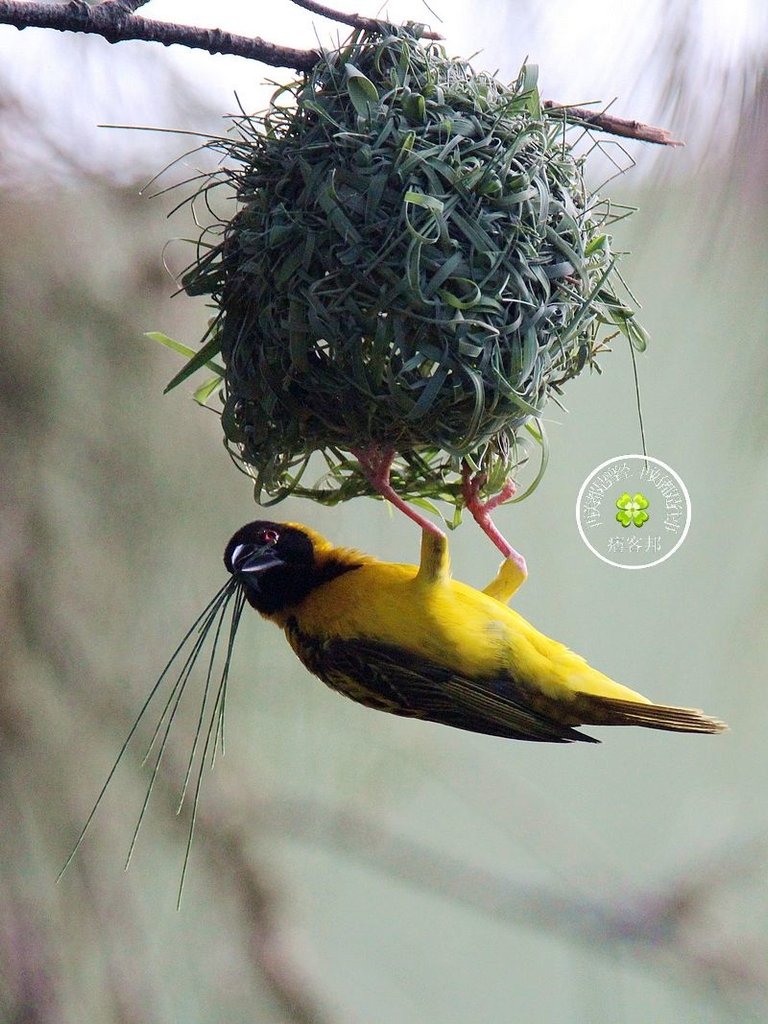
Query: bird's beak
[249, 561]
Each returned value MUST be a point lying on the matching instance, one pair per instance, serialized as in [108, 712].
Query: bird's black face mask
[273, 563]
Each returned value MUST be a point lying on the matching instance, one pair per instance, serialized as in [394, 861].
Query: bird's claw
[471, 484]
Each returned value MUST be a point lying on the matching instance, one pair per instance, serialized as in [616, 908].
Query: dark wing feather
[388, 678]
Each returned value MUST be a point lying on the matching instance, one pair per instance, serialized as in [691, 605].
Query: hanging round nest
[415, 264]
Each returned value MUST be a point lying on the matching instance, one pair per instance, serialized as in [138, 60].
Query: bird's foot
[376, 465]
[471, 483]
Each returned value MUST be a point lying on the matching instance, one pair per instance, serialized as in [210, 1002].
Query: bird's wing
[401, 682]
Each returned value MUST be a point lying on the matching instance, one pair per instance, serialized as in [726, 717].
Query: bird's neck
[284, 588]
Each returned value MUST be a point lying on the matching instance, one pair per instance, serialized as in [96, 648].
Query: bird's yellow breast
[451, 624]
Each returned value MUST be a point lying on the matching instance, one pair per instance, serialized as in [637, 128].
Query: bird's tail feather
[595, 710]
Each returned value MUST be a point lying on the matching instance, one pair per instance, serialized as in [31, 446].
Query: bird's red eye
[268, 536]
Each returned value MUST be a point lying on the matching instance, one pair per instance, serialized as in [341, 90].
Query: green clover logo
[632, 510]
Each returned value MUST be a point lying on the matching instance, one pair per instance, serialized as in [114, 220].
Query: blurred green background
[349, 866]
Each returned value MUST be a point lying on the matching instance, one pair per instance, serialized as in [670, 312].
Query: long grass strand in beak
[217, 609]
[203, 704]
[199, 622]
[215, 727]
[191, 659]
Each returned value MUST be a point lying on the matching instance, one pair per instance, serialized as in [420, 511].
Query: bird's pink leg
[481, 513]
[376, 464]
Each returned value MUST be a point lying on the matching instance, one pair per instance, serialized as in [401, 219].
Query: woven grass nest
[415, 264]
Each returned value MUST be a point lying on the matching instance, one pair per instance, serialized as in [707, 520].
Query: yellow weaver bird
[405, 639]
[412, 641]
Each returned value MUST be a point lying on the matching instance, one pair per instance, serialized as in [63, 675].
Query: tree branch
[116, 22]
[355, 20]
[604, 122]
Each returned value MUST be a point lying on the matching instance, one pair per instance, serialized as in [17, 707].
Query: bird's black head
[278, 564]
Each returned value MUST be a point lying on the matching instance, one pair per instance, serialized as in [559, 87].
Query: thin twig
[355, 20]
[604, 122]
